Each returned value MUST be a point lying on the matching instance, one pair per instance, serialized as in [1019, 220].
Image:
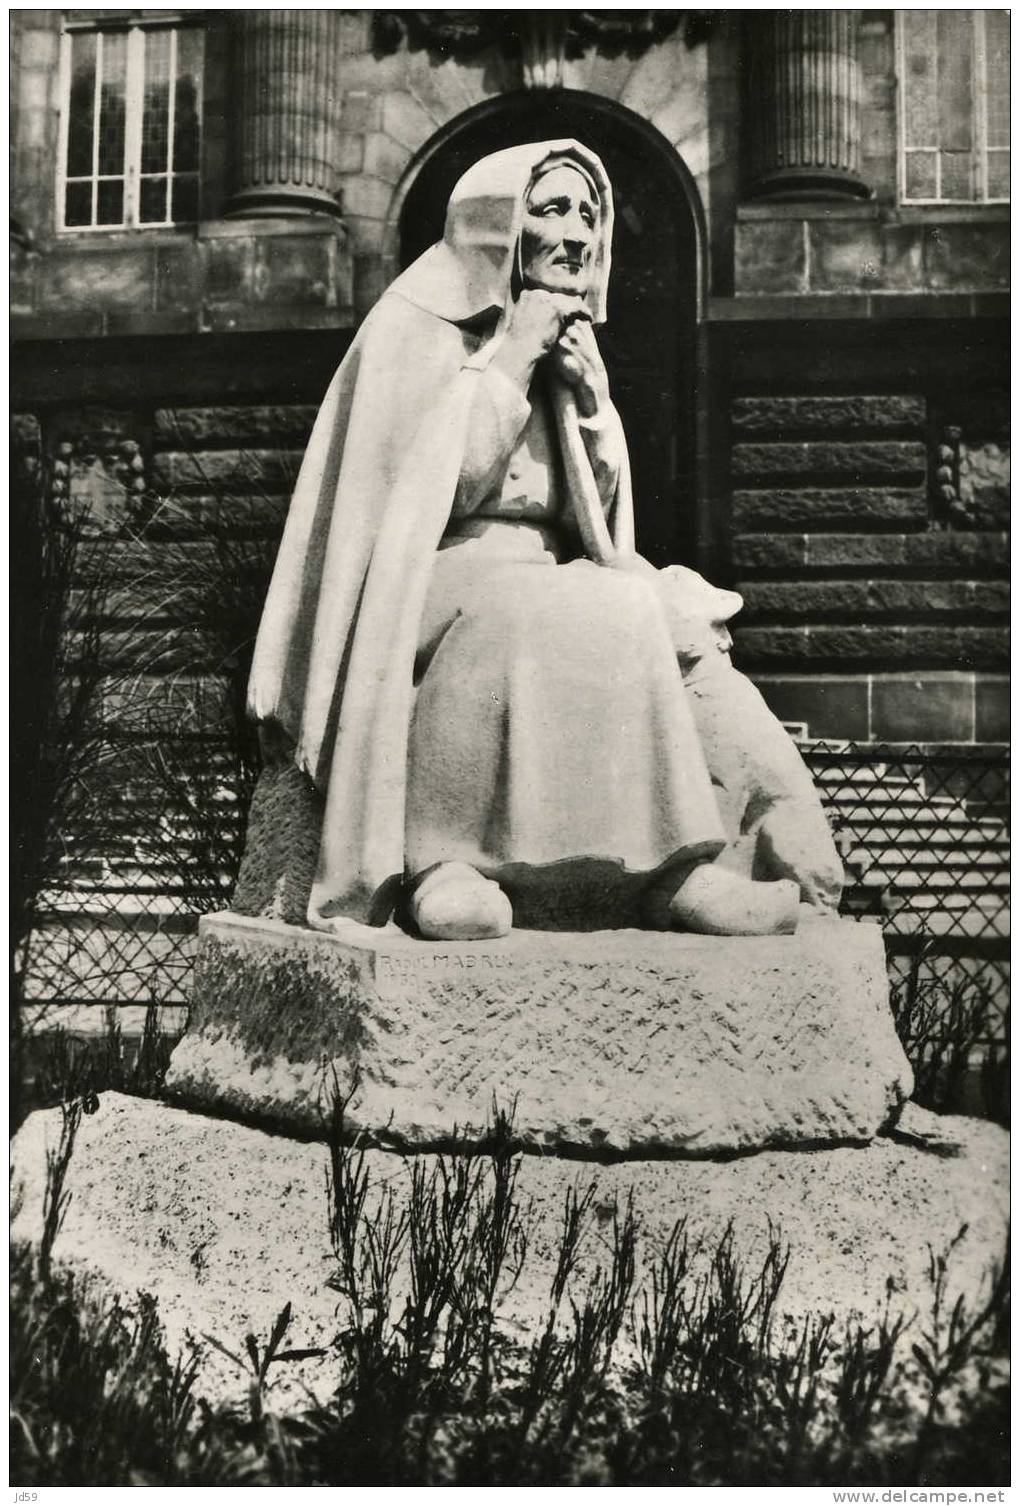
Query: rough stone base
[613, 1042]
[224, 1223]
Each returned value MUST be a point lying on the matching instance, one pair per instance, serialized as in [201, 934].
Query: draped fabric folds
[334, 660]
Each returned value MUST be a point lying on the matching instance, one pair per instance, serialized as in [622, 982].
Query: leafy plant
[73, 1068]
[58, 752]
[948, 1026]
[706, 1391]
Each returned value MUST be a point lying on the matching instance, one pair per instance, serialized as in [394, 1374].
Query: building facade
[808, 334]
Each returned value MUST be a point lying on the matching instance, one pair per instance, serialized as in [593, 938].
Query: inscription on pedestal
[392, 970]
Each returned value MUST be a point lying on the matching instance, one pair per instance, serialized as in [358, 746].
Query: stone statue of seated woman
[483, 707]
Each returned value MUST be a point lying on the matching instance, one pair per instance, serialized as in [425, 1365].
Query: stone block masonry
[786, 249]
[852, 586]
[273, 275]
[623, 1042]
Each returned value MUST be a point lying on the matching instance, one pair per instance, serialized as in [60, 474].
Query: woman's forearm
[606, 445]
[498, 416]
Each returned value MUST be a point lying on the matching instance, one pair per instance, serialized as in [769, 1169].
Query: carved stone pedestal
[627, 1043]
[223, 1224]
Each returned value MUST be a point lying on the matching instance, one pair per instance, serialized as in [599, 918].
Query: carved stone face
[560, 221]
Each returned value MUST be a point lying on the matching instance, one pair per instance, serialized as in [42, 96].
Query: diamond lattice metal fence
[162, 848]
[924, 835]
[923, 832]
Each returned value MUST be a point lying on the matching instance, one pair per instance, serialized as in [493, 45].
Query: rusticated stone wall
[865, 616]
[229, 275]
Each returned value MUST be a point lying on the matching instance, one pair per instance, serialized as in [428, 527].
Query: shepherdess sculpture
[493, 695]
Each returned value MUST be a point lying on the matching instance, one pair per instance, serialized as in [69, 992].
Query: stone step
[964, 912]
[897, 790]
[90, 1020]
[199, 428]
[904, 802]
[873, 779]
[153, 903]
[917, 920]
[176, 704]
[814, 508]
[777, 417]
[874, 829]
[154, 881]
[273, 471]
[992, 903]
[923, 860]
[934, 878]
[135, 560]
[875, 836]
[148, 650]
[198, 516]
[856, 461]
[882, 774]
[57, 918]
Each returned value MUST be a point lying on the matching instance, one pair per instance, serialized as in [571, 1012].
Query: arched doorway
[649, 342]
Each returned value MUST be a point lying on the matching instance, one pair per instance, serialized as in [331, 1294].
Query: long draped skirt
[551, 723]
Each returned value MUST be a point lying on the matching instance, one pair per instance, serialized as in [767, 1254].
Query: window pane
[156, 109]
[920, 175]
[186, 106]
[165, 94]
[956, 79]
[82, 104]
[185, 199]
[920, 85]
[153, 201]
[957, 175]
[110, 204]
[997, 69]
[998, 175]
[78, 204]
[111, 110]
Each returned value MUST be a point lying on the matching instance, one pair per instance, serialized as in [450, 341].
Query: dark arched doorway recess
[649, 342]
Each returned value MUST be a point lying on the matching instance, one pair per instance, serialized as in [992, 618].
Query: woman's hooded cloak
[334, 658]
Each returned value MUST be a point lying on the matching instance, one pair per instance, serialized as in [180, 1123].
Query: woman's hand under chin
[534, 324]
[577, 361]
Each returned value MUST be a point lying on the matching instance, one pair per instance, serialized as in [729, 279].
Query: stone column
[543, 35]
[287, 112]
[803, 105]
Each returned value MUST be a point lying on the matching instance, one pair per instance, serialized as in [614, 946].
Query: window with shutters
[130, 134]
[953, 70]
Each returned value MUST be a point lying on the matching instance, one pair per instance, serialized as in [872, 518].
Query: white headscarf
[470, 271]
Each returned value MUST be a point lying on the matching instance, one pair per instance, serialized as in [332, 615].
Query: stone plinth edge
[612, 1043]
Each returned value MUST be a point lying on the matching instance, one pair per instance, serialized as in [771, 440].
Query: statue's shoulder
[396, 317]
